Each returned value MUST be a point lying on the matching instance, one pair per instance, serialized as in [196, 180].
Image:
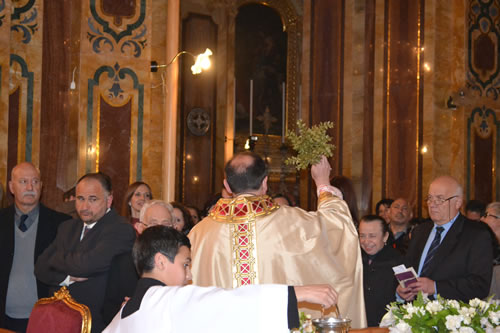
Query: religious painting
[260, 71]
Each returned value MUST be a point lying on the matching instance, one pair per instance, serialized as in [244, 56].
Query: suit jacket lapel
[424, 235]
[447, 244]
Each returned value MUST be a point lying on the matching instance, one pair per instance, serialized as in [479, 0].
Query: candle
[234, 110]
[251, 107]
[300, 102]
[283, 116]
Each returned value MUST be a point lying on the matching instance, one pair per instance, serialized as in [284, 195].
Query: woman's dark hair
[209, 204]
[188, 221]
[126, 209]
[243, 177]
[386, 202]
[159, 238]
[345, 186]
[375, 218]
[197, 211]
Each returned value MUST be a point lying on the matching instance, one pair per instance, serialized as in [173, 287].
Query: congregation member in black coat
[452, 255]
[26, 228]
[123, 277]
[378, 259]
[81, 254]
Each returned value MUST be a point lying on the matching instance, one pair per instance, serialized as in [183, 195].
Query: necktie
[86, 230]
[22, 225]
[432, 251]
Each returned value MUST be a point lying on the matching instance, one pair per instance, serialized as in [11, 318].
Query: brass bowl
[332, 325]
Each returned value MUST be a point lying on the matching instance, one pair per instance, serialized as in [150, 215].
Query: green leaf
[310, 144]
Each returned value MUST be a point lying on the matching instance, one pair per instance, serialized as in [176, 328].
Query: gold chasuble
[252, 240]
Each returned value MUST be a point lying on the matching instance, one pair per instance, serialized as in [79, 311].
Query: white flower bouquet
[441, 315]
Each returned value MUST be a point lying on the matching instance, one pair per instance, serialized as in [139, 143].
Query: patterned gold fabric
[251, 239]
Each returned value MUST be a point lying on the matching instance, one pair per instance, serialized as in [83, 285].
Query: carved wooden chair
[59, 314]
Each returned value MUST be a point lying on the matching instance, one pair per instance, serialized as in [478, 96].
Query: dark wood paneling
[368, 107]
[197, 91]
[483, 168]
[403, 99]
[55, 111]
[327, 35]
[13, 131]
[327, 63]
[114, 147]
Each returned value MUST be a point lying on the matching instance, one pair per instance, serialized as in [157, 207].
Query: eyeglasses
[168, 223]
[438, 201]
[488, 214]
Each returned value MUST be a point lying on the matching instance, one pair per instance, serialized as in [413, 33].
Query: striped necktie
[432, 251]
[22, 224]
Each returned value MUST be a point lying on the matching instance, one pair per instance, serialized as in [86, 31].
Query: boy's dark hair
[101, 177]
[375, 218]
[386, 202]
[243, 177]
[475, 206]
[159, 238]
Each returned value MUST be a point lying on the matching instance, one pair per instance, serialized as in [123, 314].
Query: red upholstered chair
[59, 314]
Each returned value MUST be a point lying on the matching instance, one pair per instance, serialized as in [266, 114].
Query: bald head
[246, 172]
[444, 199]
[25, 185]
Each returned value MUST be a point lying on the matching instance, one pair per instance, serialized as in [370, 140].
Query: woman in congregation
[378, 259]
[137, 195]
[182, 219]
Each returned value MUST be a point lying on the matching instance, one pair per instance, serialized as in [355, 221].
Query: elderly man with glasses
[123, 277]
[452, 255]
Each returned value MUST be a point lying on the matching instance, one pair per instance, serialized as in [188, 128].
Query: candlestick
[251, 107]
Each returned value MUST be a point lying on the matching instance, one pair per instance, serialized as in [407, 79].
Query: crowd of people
[265, 253]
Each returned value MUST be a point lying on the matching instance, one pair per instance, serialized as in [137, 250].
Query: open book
[405, 276]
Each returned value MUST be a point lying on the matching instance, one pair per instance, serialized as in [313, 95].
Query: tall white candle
[283, 115]
[234, 110]
[251, 107]
[300, 102]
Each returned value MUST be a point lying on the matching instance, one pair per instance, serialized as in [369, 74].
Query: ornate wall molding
[106, 31]
[110, 89]
[483, 42]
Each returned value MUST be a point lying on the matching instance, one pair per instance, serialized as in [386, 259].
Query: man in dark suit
[81, 254]
[453, 255]
[26, 228]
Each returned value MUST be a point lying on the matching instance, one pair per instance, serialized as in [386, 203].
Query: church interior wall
[412, 87]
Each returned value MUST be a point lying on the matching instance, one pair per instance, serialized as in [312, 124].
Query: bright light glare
[202, 62]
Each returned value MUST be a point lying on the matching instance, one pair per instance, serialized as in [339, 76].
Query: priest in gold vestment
[249, 239]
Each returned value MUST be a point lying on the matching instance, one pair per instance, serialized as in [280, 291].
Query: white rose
[453, 322]
[466, 330]
[434, 307]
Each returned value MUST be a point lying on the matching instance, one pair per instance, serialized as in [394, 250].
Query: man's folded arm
[96, 260]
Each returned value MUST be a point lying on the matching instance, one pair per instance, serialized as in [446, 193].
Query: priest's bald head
[246, 173]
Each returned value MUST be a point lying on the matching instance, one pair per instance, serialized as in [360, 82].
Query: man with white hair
[26, 228]
[452, 255]
[123, 277]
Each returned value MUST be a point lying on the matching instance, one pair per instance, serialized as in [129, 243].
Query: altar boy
[163, 303]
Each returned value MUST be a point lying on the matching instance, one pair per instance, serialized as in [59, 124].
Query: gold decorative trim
[324, 195]
[64, 296]
[242, 209]
[244, 254]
